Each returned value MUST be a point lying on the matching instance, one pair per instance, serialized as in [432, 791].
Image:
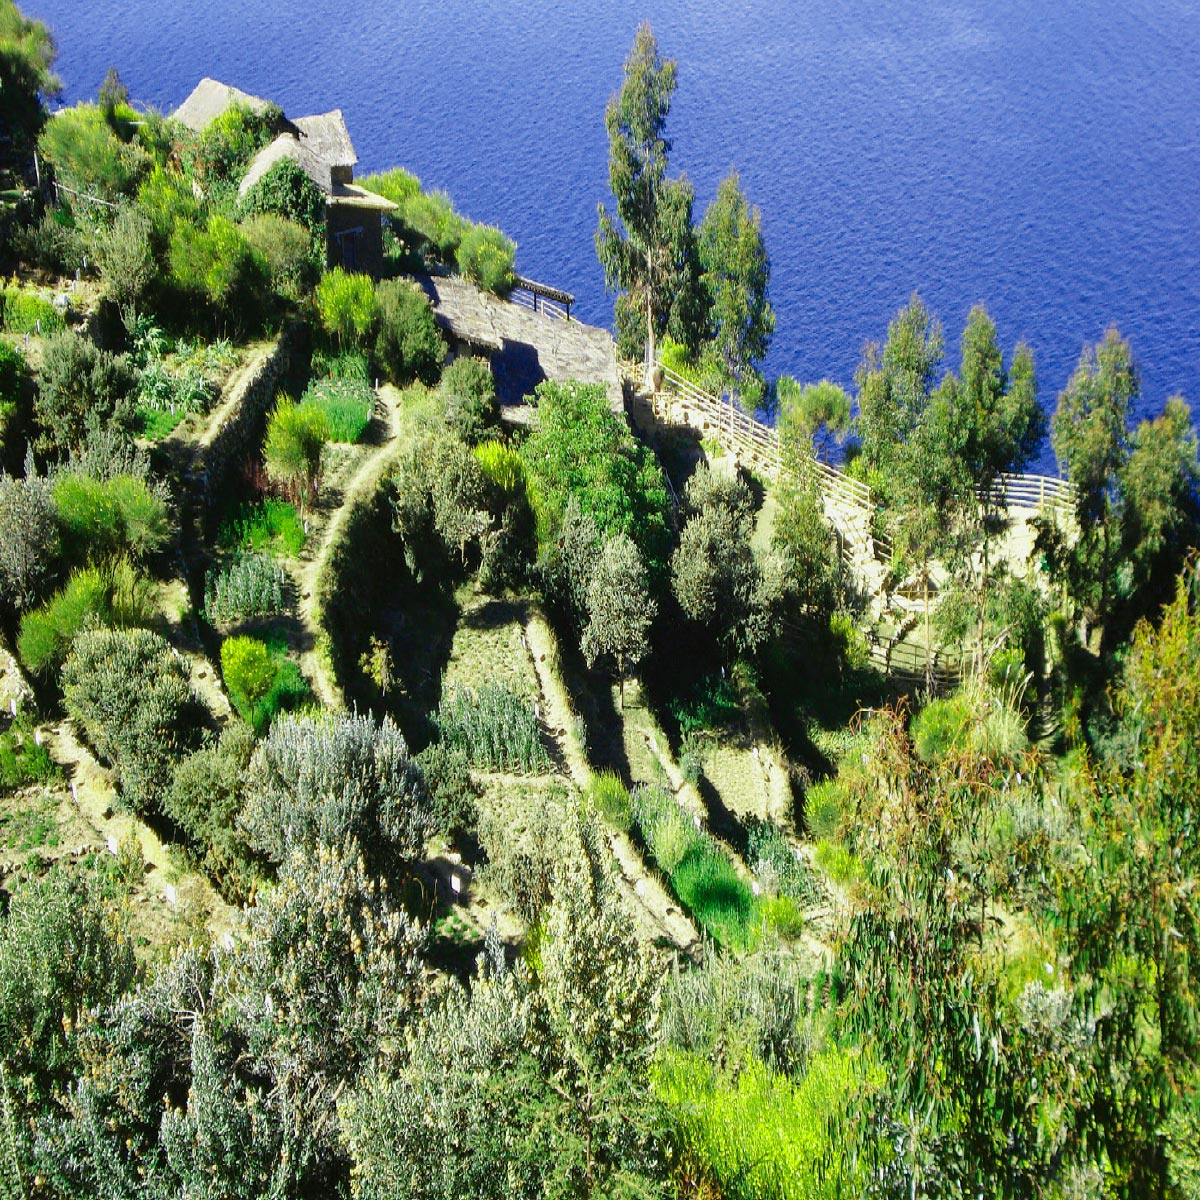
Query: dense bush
[89, 157]
[523, 845]
[322, 779]
[408, 344]
[217, 265]
[29, 539]
[453, 792]
[129, 692]
[503, 466]
[249, 586]
[469, 393]
[166, 199]
[778, 867]
[485, 257]
[347, 403]
[204, 801]
[113, 594]
[125, 258]
[28, 312]
[431, 216]
[296, 435]
[496, 729]
[286, 191]
[225, 147]
[273, 526]
[287, 249]
[824, 810]
[611, 799]
[347, 306]
[261, 680]
[80, 388]
[103, 517]
[398, 185]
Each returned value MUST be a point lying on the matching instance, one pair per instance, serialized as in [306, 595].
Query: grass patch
[22, 760]
[611, 799]
[347, 402]
[496, 729]
[154, 424]
[701, 873]
[271, 527]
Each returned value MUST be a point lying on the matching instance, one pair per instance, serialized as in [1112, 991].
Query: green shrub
[285, 191]
[496, 729]
[80, 388]
[448, 780]
[431, 216]
[782, 915]
[249, 586]
[824, 810]
[503, 466]
[249, 672]
[347, 403]
[347, 306]
[397, 185]
[227, 144]
[296, 435]
[159, 389]
[941, 726]
[217, 265]
[611, 799]
[287, 249]
[27, 312]
[101, 518]
[762, 1135]
[777, 866]
[667, 830]
[408, 344]
[274, 526]
[166, 198]
[30, 544]
[129, 692]
[469, 393]
[485, 257]
[88, 156]
[23, 760]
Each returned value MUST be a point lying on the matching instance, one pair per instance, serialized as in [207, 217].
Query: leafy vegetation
[273, 526]
[248, 586]
[496, 730]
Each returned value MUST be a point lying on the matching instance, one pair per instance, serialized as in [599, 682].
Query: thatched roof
[319, 145]
[286, 146]
[327, 138]
[209, 99]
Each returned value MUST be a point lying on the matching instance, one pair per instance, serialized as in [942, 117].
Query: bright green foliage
[29, 540]
[347, 404]
[620, 610]
[166, 199]
[216, 264]
[580, 449]
[757, 1134]
[22, 759]
[503, 466]
[824, 809]
[80, 386]
[611, 799]
[648, 248]
[273, 526]
[103, 517]
[408, 344]
[27, 53]
[129, 692]
[114, 594]
[736, 273]
[248, 670]
[485, 257]
[805, 551]
[319, 780]
[249, 586]
[286, 191]
[296, 435]
[431, 216]
[469, 391]
[287, 250]
[496, 729]
[89, 157]
[396, 184]
[26, 311]
[347, 306]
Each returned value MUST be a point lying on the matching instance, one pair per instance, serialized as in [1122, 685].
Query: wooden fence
[541, 298]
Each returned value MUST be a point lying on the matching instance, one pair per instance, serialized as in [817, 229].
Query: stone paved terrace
[525, 347]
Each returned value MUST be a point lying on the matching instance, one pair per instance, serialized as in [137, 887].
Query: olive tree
[620, 610]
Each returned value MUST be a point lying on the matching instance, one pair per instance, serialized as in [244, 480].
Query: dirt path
[657, 915]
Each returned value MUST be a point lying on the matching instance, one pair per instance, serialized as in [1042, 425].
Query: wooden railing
[541, 298]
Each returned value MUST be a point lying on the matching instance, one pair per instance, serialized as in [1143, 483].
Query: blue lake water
[1041, 156]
